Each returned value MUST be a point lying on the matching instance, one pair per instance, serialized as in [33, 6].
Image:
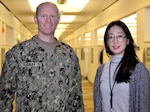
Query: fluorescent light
[58, 32]
[67, 18]
[34, 3]
[79, 38]
[62, 26]
[69, 6]
[77, 4]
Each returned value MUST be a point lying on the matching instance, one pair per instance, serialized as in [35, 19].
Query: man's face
[47, 19]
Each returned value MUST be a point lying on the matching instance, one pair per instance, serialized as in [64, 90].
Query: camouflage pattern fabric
[41, 83]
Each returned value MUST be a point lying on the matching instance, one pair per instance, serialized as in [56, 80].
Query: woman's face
[117, 40]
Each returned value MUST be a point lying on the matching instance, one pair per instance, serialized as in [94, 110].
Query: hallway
[87, 89]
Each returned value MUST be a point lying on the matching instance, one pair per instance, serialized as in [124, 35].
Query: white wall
[12, 30]
[119, 10]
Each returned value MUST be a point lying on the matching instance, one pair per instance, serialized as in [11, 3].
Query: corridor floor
[87, 89]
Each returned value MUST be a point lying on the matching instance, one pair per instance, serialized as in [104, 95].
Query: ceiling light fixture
[67, 18]
[61, 1]
[69, 6]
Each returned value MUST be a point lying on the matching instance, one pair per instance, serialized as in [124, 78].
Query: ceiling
[22, 11]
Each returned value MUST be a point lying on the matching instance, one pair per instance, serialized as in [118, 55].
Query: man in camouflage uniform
[43, 72]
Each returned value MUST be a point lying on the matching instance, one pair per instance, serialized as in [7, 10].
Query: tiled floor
[87, 89]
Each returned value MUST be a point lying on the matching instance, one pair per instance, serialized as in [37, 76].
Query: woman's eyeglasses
[119, 38]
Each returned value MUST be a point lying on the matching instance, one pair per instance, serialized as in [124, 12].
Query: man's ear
[58, 19]
[35, 19]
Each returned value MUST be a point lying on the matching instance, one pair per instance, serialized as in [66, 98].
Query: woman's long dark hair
[129, 60]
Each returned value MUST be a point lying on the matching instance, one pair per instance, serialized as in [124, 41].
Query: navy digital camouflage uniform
[41, 83]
